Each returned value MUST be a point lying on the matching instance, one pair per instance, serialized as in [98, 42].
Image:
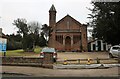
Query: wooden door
[68, 44]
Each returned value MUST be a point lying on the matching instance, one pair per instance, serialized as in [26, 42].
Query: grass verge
[20, 52]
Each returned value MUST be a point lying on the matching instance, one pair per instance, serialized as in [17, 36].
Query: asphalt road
[40, 72]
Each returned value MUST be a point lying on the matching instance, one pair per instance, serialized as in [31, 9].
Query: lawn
[20, 52]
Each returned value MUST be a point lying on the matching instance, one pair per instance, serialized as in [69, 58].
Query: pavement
[43, 72]
[85, 66]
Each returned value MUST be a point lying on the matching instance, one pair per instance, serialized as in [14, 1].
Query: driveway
[79, 55]
[82, 55]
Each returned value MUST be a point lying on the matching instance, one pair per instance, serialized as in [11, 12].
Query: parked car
[114, 51]
[49, 50]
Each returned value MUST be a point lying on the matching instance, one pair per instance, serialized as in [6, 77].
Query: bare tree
[34, 30]
[34, 27]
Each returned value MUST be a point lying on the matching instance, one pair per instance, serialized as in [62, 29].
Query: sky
[37, 10]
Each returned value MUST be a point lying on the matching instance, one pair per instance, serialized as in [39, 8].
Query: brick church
[68, 34]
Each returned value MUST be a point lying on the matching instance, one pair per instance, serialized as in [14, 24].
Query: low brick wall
[21, 61]
[26, 61]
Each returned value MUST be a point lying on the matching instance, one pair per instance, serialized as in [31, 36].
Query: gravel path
[80, 55]
[84, 55]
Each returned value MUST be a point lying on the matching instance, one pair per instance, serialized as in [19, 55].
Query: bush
[42, 41]
[13, 45]
[28, 43]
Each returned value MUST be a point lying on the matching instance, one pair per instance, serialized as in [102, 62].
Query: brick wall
[21, 60]
[26, 61]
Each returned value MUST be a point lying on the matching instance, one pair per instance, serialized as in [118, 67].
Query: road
[40, 72]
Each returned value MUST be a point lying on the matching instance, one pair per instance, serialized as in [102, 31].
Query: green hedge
[12, 45]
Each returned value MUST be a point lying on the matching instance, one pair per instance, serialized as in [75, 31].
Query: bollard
[98, 61]
[88, 61]
[65, 62]
[4, 54]
[78, 61]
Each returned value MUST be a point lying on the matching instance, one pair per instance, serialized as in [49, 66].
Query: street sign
[4, 47]
[3, 43]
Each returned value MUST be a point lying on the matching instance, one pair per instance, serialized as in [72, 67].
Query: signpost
[3, 43]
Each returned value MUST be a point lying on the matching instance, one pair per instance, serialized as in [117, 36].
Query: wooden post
[4, 54]
[78, 61]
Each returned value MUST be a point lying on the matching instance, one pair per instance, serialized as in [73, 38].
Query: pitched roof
[71, 18]
[52, 8]
[4, 36]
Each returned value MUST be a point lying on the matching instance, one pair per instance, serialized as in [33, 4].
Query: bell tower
[52, 23]
[52, 16]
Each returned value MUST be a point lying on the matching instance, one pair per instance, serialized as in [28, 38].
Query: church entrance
[68, 43]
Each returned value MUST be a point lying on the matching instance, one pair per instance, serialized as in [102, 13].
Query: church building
[68, 34]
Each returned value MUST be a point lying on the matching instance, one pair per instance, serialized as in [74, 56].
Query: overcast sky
[37, 10]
